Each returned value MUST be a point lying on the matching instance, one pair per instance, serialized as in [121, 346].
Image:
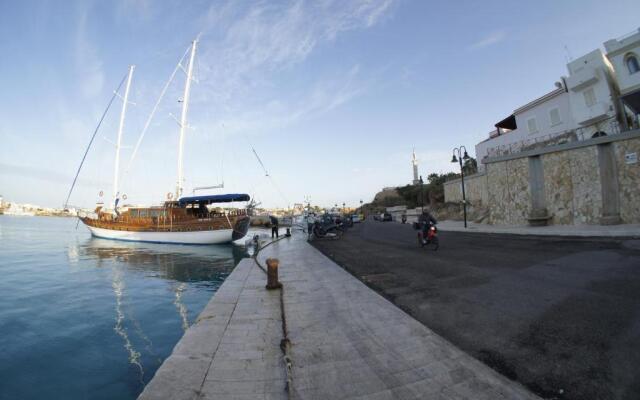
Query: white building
[591, 101]
[543, 119]
[593, 95]
[624, 55]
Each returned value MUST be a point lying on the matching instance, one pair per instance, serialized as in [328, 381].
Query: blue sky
[333, 95]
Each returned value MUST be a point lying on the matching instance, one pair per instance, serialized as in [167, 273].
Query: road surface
[559, 315]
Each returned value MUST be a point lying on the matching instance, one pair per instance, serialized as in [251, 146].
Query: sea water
[88, 318]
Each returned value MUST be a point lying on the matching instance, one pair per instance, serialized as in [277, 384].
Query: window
[531, 124]
[589, 97]
[554, 117]
[632, 63]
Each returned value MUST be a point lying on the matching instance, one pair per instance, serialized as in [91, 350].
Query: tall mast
[183, 119]
[125, 100]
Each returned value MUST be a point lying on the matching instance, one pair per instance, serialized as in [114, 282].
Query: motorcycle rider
[426, 220]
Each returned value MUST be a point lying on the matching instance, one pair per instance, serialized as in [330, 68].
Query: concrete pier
[347, 342]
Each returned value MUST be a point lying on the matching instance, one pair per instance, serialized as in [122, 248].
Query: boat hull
[218, 236]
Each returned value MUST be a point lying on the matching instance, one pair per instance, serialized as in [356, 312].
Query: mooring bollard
[272, 274]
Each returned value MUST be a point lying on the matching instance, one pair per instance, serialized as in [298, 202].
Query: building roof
[508, 123]
[541, 99]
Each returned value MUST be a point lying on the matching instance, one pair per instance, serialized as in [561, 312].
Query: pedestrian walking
[274, 227]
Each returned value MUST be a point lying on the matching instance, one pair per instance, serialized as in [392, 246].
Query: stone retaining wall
[576, 178]
[475, 187]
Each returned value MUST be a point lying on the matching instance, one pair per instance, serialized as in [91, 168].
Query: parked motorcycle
[327, 229]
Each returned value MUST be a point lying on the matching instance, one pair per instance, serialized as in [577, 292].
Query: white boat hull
[191, 237]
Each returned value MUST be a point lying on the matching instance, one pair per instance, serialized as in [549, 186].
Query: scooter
[431, 240]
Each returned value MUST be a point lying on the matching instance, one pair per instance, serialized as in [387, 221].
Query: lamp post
[421, 195]
[461, 156]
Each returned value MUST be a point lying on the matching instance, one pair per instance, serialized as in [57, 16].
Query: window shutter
[531, 124]
[554, 116]
[589, 97]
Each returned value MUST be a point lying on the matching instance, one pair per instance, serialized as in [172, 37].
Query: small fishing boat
[184, 220]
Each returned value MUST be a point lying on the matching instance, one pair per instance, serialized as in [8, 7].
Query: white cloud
[244, 50]
[491, 39]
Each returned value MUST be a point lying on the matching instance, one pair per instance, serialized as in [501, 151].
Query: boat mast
[119, 141]
[183, 119]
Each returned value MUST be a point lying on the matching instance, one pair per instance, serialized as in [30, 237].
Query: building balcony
[582, 79]
[589, 115]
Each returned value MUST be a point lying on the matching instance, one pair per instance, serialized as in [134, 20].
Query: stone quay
[322, 335]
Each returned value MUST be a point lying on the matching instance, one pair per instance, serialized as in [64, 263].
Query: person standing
[274, 227]
[310, 222]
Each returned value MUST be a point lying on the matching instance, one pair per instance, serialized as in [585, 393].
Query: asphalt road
[559, 315]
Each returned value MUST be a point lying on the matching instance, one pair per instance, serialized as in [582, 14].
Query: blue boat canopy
[214, 198]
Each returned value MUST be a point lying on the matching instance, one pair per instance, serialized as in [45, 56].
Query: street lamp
[421, 195]
[361, 209]
[461, 156]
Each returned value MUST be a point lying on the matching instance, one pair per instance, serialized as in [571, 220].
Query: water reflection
[207, 266]
[182, 310]
[118, 289]
[174, 262]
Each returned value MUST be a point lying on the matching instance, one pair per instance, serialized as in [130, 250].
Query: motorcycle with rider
[427, 230]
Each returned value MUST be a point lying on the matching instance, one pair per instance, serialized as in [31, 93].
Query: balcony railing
[610, 127]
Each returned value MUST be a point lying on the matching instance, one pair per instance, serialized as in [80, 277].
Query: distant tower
[414, 161]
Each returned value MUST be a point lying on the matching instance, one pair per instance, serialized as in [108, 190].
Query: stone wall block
[558, 187]
[585, 180]
[628, 181]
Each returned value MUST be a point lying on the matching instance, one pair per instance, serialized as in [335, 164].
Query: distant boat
[186, 220]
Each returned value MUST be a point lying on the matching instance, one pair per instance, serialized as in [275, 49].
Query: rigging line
[115, 93]
[266, 173]
[153, 112]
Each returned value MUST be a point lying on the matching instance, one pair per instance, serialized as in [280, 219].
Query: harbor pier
[323, 335]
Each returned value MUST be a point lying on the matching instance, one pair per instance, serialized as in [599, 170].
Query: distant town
[29, 210]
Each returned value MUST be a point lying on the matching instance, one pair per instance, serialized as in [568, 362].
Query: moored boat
[191, 220]
[181, 220]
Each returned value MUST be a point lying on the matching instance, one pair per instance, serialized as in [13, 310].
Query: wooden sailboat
[185, 220]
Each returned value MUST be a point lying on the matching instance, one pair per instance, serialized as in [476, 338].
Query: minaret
[414, 161]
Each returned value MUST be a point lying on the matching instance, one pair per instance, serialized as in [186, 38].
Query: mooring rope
[285, 343]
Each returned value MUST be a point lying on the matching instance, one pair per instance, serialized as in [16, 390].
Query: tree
[470, 166]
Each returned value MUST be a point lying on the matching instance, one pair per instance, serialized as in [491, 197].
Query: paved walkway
[347, 342]
[623, 231]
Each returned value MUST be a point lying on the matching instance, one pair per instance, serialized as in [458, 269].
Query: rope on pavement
[285, 343]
